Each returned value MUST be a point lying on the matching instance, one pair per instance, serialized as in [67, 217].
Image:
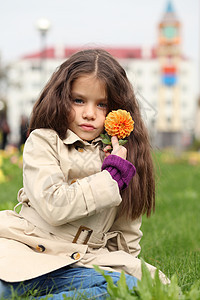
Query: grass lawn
[171, 238]
[9, 189]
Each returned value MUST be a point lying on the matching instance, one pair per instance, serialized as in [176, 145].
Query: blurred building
[164, 81]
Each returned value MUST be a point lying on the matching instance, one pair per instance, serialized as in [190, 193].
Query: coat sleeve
[131, 232]
[47, 190]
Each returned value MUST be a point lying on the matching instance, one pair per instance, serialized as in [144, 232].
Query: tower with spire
[169, 57]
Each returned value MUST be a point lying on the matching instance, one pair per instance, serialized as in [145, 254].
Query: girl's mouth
[87, 127]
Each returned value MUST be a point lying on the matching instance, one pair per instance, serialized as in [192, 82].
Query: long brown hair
[53, 107]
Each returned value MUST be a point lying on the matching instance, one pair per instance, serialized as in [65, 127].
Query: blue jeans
[76, 283]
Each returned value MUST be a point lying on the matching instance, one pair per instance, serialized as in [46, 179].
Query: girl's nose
[89, 112]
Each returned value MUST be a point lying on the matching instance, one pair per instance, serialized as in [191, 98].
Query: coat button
[74, 180]
[75, 255]
[40, 248]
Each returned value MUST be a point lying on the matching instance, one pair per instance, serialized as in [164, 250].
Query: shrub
[149, 288]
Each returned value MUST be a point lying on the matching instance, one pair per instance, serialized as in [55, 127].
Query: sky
[93, 22]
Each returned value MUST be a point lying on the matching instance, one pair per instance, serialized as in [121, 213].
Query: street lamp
[43, 25]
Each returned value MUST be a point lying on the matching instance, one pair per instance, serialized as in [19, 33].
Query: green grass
[171, 238]
[9, 189]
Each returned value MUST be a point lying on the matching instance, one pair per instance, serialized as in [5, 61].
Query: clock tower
[169, 57]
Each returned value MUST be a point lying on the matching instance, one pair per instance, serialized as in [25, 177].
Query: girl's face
[89, 107]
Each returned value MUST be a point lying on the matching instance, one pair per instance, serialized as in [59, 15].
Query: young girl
[81, 204]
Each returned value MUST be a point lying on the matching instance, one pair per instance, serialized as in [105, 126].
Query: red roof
[126, 52]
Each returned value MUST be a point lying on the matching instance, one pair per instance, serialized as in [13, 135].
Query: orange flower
[119, 123]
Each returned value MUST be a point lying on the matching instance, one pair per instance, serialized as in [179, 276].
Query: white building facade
[144, 73]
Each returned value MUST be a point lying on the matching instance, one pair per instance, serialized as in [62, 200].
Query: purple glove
[120, 169]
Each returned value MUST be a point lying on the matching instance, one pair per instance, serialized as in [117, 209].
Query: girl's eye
[78, 101]
[102, 105]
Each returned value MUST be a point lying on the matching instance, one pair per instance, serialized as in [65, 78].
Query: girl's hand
[117, 149]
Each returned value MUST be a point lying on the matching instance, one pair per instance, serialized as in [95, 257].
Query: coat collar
[71, 138]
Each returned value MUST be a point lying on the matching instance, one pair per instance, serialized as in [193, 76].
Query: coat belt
[73, 234]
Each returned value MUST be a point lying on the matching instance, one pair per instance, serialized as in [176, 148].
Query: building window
[139, 72]
[169, 120]
[154, 88]
[184, 104]
[168, 102]
[184, 88]
[36, 85]
[127, 68]
[32, 101]
[155, 72]
[154, 103]
[183, 72]
[36, 67]
[139, 88]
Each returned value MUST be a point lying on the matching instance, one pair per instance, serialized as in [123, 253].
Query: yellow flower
[119, 123]
[2, 176]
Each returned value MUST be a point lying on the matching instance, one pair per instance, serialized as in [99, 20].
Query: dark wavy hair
[52, 110]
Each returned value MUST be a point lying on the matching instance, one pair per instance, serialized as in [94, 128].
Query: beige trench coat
[68, 214]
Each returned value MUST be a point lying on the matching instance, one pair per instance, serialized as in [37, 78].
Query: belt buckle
[81, 229]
